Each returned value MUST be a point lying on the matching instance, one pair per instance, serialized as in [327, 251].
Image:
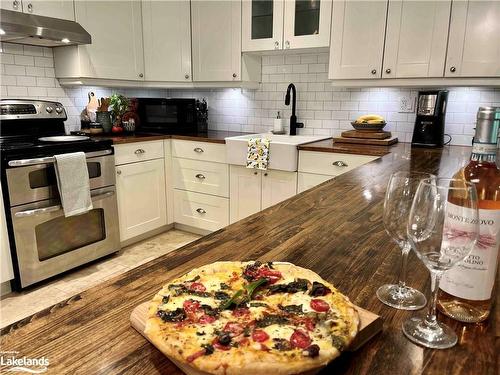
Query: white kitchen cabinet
[140, 189]
[474, 41]
[277, 186]
[216, 40]
[307, 23]
[416, 38]
[262, 25]
[357, 45]
[63, 9]
[201, 176]
[116, 51]
[167, 40]
[14, 5]
[6, 271]
[252, 190]
[306, 181]
[245, 192]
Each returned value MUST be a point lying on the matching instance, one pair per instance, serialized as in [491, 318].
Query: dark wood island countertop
[334, 229]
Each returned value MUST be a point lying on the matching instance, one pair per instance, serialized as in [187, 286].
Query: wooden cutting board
[366, 134]
[370, 325]
[363, 141]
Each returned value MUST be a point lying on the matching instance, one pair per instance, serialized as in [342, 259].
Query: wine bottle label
[484, 148]
[473, 278]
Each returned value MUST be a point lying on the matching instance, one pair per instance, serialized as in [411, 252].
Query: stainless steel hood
[22, 28]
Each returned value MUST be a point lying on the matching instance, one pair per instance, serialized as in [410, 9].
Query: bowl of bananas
[369, 123]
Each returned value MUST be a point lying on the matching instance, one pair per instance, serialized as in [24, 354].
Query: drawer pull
[198, 150]
[139, 151]
[340, 163]
[201, 211]
[200, 176]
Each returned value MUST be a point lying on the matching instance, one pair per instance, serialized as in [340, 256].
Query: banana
[367, 118]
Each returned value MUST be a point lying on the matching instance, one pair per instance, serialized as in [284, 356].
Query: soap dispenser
[278, 125]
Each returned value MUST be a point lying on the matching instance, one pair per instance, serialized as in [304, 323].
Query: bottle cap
[487, 125]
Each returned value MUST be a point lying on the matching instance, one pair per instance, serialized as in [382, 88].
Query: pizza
[251, 318]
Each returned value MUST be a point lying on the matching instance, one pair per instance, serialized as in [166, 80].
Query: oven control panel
[11, 109]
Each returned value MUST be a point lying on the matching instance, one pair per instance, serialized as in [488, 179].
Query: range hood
[22, 28]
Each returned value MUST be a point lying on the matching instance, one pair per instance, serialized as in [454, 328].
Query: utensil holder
[104, 118]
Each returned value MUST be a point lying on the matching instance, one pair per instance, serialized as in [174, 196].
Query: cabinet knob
[141, 75]
[198, 150]
[276, 45]
[139, 151]
[388, 71]
[30, 8]
[118, 172]
[340, 163]
[287, 44]
[265, 174]
[201, 211]
[186, 76]
[234, 75]
[200, 176]
[374, 71]
[453, 69]
[15, 5]
[255, 173]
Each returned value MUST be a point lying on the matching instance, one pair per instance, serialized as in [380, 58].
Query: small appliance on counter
[167, 116]
[429, 124]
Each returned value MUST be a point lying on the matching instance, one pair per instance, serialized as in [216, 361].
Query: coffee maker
[429, 124]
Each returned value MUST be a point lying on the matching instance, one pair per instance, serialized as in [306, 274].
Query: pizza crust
[237, 362]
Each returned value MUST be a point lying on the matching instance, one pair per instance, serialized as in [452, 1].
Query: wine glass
[443, 229]
[398, 199]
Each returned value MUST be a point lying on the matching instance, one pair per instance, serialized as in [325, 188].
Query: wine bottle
[466, 291]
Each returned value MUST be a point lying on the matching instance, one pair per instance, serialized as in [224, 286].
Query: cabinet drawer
[200, 210]
[138, 151]
[199, 150]
[201, 176]
[307, 181]
[331, 164]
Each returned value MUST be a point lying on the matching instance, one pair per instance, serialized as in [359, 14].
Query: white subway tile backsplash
[325, 109]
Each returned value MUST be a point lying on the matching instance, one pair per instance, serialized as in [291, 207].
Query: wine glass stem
[404, 262]
[430, 319]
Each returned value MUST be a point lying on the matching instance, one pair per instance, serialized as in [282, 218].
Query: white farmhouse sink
[283, 153]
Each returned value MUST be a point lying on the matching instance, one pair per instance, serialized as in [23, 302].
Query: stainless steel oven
[48, 243]
[35, 179]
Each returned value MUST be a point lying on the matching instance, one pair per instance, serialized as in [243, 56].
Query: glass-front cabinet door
[307, 23]
[262, 25]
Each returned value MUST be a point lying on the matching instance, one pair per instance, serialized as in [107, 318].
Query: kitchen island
[334, 229]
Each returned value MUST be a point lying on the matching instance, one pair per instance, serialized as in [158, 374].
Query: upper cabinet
[63, 9]
[167, 40]
[216, 40]
[357, 46]
[416, 38]
[262, 25]
[474, 43]
[116, 51]
[307, 23]
[277, 24]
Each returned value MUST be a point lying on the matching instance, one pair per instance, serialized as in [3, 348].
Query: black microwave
[167, 116]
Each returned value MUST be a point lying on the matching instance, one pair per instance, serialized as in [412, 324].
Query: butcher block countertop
[212, 136]
[334, 229]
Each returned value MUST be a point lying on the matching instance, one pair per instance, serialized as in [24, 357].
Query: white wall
[28, 72]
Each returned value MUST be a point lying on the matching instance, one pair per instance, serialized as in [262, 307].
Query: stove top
[23, 122]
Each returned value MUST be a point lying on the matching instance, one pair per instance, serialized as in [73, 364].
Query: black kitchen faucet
[293, 119]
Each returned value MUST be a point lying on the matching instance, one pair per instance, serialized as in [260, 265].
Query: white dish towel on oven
[73, 183]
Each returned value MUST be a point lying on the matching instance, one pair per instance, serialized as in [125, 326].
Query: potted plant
[119, 105]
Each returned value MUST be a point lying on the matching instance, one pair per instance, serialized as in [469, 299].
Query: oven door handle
[51, 159]
[57, 207]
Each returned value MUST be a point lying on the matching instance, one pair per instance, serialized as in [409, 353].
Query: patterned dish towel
[258, 153]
